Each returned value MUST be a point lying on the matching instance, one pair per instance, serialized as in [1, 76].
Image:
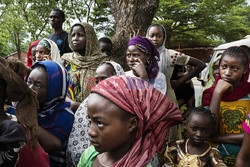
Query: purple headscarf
[145, 45]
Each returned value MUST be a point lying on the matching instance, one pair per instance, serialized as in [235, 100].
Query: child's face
[107, 132]
[40, 52]
[105, 47]
[133, 54]
[37, 81]
[103, 72]
[198, 129]
[155, 34]
[78, 37]
[216, 68]
[232, 69]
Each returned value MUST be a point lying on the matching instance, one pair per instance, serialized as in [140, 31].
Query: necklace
[100, 160]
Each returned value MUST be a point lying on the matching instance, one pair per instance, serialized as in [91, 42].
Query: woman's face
[37, 81]
[232, 69]
[133, 54]
[78, 37]
[110, 130]
[156, 36]
[41, 51]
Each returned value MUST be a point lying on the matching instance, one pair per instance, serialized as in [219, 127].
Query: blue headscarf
[57, 86]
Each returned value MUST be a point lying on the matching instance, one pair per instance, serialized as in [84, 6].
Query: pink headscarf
[154, 111]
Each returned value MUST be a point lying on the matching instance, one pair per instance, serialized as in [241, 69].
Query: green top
[88, 157]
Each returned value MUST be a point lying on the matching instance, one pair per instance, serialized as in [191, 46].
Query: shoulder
[88, 157]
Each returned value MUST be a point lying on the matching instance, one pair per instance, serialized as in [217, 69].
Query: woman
[83, 62]
[142, 59]
[50, 82]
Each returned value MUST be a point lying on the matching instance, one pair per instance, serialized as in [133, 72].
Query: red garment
[154, 111]
[33, 157]
[29, 60]
[242, 89]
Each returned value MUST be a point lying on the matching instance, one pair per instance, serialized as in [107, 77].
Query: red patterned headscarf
[29, 60]
[154, 111]
[242, 89]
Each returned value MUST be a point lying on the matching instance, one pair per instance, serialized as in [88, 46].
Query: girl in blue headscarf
[50, 82]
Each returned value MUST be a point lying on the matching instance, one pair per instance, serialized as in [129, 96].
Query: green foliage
[189, 23]
[195, 23]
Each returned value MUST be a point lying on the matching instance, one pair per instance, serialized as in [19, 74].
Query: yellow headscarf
[87, 64]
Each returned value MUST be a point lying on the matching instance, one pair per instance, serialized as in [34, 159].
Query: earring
[148, 62]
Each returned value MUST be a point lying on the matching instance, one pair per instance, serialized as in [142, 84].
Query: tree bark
[131, 16]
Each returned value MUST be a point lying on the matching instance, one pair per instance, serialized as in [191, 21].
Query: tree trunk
[131, 16]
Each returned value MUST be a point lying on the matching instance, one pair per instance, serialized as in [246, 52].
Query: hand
[223, 86]
[47, 57]
[139, 69]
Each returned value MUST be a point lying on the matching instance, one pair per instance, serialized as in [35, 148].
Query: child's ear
[133, 124]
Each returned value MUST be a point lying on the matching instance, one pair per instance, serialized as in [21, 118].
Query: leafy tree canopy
[189, 23]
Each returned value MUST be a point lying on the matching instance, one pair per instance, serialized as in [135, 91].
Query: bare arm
[48, 141]
[198, 67]
[243, 158]
[221, 87]
[230, 138]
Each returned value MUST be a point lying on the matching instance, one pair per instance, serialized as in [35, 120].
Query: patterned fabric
[160, 82]
[177, 155]
[232, 114]
[29, 60]
[78, 138]
[154, 111]
[88, 157]
[246, 124]
[81, 67]
[55, 116]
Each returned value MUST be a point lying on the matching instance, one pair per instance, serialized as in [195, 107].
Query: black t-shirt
[62, 42]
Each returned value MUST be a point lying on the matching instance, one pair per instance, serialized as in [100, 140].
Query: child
[127, 126]
[78, 138]
[31, 54]
[229, 101]
[243, 158]
[47, 50]
[168, 58]
[142, 58]
[50, 82]
[195, 151]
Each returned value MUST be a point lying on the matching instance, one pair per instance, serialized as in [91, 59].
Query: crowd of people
[71, 105]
